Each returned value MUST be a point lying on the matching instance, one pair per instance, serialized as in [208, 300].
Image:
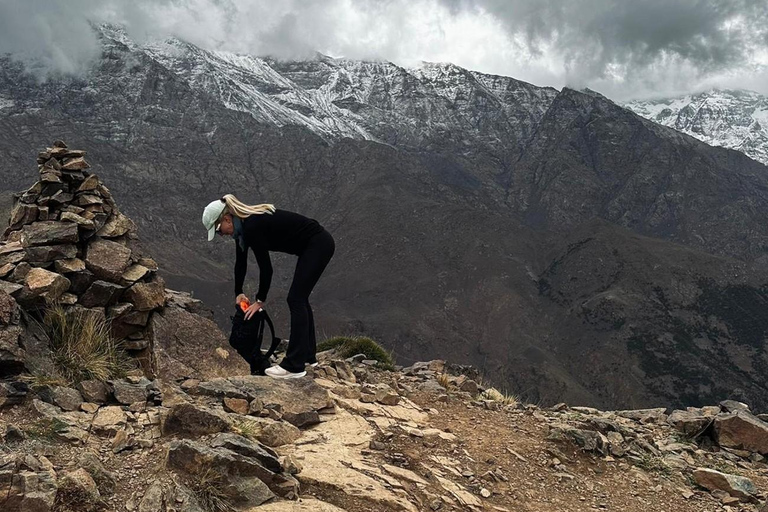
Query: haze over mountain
[570, 248]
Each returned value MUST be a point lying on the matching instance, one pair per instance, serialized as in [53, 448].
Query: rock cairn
[67, 243]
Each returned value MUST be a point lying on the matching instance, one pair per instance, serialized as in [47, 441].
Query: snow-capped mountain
[729, 118]
[338, 98]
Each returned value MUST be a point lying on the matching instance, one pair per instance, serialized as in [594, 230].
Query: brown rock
[146, 295]
[737, 486]
[107, 260]
[193, 420]
[69, 265]
[742, 430]
[109, 419]
[22, 214]
[11, 288]
[236, 405]
[6, 269]
[79, 489]
[8, 308]
[68, 299]
[100, 294]
[116, 225]
[75, 164]
[134, 273]
[48, 253]
[279, 434]
[67, 398]
[90, 183]
[41, 282]
[77, 219]
[48, 232]
[12, 356]
[20, 272]
[88, 200]
[80, 281]
[94, 391]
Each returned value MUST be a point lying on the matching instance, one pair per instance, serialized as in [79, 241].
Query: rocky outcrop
[68, 243]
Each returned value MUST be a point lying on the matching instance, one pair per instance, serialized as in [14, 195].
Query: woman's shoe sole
[291, 376]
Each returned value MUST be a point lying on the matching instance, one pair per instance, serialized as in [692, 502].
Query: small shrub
[45, 429]
[653, 464]
[246, 428]
[82, 347]
[348, 347]
[444, 380]
[207, 489]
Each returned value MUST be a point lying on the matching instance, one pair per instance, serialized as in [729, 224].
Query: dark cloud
[623, 48]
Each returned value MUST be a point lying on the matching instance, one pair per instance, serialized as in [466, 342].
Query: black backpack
[246, 337]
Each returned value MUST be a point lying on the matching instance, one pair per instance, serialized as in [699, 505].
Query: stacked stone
[68, 243]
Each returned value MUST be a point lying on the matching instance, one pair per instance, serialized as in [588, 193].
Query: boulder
[737, 486]
[240, 478]
[78, 491]
[67, 398]
[107, 260]
[100, 294]
[153, 499]
[741, 430]
[22, 214]
[236, 405]
[75, 164]
[105, 479]
[109, 419]
[146, 296]
[294, 398]
[193, 420]
[48, 232]
[278, 434]
[244, 446]
[12, 393]
[27, 484]
[43, 283]
[94, 391]
[128, 393]
[77, 219]
[8, 308]
[47, 253]
[689, 423]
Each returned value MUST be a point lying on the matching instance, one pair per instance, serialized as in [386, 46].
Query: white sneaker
[278, 372]
[313, 365]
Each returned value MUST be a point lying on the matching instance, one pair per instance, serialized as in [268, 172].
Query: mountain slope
[455, 202]
[728, 118]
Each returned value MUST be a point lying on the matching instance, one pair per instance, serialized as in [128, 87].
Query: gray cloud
[622, 48]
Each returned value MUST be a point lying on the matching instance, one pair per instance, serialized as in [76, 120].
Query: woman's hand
[253, 309]
[240, 298]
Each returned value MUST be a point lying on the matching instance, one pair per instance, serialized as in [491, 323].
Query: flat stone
[110, 419]
[107, 260]
[12, 354]
[12, 393]
[8, 308]
[90, 183]
[134, 273]
[23, 214]
[77, 219]
[69, 265]
[48, 232]
[387, 397]
[146, 296]
[20, 272]
[10, 288]
[236, 405]
[117, 225]
[79, 487]
[27, 485]
[100, 294]
[742, 430]
[6, 269]
[75, 164]
[244, 446]
[105, 479]
[737, 486]
[193, 420]
[47, 253]
[40, 281]
[243, 478]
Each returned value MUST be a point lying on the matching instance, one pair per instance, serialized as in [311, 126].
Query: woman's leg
[312, 355]
[309, 268]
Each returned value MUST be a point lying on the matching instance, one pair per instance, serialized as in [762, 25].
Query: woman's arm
[241, 268]
[265, 273]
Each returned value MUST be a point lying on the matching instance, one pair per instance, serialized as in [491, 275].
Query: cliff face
[458, 223]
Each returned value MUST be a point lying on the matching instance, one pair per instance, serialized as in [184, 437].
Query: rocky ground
[353, 437]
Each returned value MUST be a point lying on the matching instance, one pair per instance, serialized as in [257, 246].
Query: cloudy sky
[622, 48]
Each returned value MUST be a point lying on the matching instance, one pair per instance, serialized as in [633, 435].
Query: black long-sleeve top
[282, 231]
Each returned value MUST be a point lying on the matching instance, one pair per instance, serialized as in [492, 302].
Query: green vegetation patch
[351, 346]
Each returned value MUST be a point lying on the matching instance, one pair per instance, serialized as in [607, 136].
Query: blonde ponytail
[242, 210]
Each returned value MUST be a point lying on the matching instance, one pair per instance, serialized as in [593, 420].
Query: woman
[264, 228]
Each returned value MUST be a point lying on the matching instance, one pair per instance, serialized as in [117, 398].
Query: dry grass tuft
[495, 395]
[207, 489]
[351, 346]
[82, 348]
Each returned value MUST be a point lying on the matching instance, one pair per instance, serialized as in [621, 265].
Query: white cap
[211, 215]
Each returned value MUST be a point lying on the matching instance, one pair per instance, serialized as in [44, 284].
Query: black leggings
[302, 346]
